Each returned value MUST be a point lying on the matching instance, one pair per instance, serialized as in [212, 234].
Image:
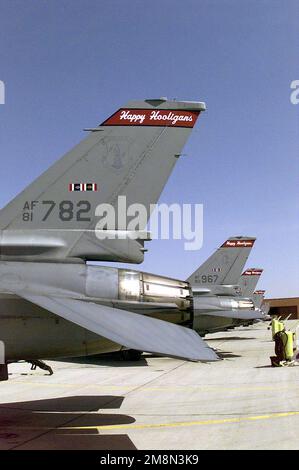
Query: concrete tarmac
[157, 403]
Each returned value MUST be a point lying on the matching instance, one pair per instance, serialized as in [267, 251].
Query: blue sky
[68, 64]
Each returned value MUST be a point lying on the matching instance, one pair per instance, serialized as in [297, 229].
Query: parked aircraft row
[54, 304]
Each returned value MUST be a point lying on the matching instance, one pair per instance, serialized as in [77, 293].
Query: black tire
[130, 355]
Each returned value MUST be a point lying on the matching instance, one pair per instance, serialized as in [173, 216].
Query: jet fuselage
[29, 331]
[206, 308]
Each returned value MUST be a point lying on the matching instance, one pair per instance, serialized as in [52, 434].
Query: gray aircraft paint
[248, 281]
[70, 293]
[222, 312]
[47, 310]
[124, 156]
[216, 290]
[224, 267]
[258, 298]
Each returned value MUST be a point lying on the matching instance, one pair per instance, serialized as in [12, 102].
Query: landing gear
[3, 372]
[3, 363]
[130, 355]
[42, 365]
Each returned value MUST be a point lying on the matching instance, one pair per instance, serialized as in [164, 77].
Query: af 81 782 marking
[66, 210]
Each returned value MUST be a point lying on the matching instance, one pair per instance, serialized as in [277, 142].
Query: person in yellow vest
[283, 348]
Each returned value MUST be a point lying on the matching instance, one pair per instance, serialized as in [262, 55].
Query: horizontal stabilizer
[128, 329]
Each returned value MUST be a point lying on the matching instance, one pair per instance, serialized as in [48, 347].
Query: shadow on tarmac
[67, 423]
[230, 338]
[104, 360]
[264, 367]
[226, 355]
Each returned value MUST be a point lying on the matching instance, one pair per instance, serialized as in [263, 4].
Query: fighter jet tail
[249, 280]
[225, 266]
[258, 298]
[125, 160]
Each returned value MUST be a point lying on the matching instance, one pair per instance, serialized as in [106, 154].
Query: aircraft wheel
[130, 355]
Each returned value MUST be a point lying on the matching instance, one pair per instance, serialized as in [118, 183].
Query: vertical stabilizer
[225, 265]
